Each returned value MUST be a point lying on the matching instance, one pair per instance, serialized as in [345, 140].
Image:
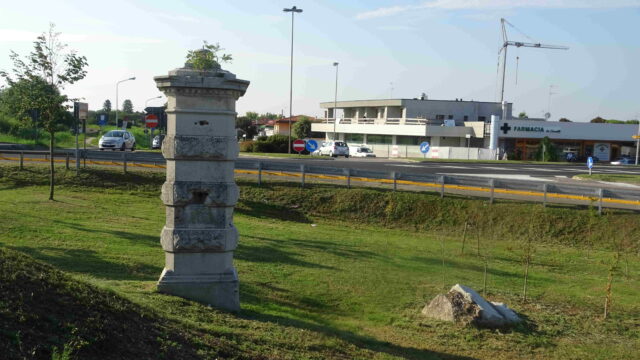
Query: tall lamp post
[293, 10]
[117, 84]
[335, 103]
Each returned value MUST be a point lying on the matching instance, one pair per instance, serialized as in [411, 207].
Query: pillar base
[218, 290]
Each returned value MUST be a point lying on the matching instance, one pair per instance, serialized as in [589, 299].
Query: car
[117, 140]
[157, 141]
[623, 161]
[361, 151]
[335, 149]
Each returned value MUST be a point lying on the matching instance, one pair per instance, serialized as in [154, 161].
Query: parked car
[361, 151]
[117, 140]
[335, 149]
[157, 141]
[623, 161]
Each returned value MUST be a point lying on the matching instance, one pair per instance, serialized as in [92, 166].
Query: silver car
[335, 149]
[117, 140]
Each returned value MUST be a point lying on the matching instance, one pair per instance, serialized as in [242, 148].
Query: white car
[623, 161]
[361, 151]
[117, 140]
[335, 149]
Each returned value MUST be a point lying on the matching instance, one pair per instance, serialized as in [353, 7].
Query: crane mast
[506, 43]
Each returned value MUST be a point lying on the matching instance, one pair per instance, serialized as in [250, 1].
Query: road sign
[589, 162]
[151, 120]
[635, 137]
[102, 119]
[312, 145]
[424, 147]
[298, 145]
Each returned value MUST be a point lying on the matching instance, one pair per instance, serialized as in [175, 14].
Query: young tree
[208, 57]
[38, 80]
[302, 128]
[127, 107]
[523, 115]
[564, 120]
[106, 107]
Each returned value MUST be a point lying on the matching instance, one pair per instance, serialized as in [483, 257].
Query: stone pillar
[200, 192]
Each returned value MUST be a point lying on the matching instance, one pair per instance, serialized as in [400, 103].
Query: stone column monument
[200, 147]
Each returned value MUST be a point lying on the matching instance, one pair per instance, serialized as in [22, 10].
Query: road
[560, 172]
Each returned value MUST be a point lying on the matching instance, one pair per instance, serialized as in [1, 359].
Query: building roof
[294, 119]
[389, 102]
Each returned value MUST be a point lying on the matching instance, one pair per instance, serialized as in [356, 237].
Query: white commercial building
[461, 129]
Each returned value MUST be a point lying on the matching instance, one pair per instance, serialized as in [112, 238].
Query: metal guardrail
[463, 185]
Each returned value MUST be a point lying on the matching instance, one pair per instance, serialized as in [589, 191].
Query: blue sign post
[424, 148]
[102, 119]
[589, 163]
[311, 145]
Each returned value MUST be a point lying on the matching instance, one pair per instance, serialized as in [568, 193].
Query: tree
[207, 58]
[546, 151]
[633, 122]
[127, 107]
[247, 126]
[564, 120]
[106, 107]
[598, 120]
[38, 81]
[302, 128]
[523, 115]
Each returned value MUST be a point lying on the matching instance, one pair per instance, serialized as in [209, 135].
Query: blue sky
[445, 48]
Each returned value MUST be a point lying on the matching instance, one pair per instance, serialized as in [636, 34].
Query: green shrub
[246, 146]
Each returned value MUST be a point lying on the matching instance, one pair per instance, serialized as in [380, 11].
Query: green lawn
[621, 178]
[307, 280]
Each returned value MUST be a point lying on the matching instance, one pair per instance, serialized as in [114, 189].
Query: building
[410, 121]
[281, 126]
[395, 127]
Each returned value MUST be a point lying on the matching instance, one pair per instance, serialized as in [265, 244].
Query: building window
[354, 138]
[466, 118]
[482, 118]
[408, 140]
[450, 117]
[439, 117]
[379, 139]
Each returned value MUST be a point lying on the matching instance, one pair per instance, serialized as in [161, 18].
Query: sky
[446, 49]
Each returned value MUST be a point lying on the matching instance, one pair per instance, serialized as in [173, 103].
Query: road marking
[504, 176]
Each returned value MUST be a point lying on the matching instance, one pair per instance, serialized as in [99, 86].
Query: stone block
[218, 291]
[184, 193]
[199, 217]
[192, 147]
[199, 240]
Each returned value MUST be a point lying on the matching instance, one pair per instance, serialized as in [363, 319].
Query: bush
[272, 144]
[246, 146]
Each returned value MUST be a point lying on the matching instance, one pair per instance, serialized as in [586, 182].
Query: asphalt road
[535, 172]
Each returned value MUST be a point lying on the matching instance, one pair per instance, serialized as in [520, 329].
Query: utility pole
[506, 43]
[293, 10]
[335, 103]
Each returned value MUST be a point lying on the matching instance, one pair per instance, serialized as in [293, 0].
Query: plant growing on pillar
[207, 58]
[38, 80]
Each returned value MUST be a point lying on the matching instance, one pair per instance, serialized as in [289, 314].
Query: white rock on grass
[463, 304]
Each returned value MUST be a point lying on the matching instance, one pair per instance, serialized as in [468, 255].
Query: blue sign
[424, 147]
[102, 119]
[589, 162]
[311, 145]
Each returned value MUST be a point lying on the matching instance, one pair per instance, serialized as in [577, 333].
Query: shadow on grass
[90, 262]
[150, 240]
[285, 251]
[269, 211]
[251, 294]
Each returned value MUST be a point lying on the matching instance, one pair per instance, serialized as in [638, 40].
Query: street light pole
[638, 143]
[117, 84]
[335, 103]
[293, 10]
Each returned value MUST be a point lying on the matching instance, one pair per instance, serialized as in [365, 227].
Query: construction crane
[506, 43]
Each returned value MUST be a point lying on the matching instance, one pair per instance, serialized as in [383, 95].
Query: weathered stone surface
[182, 193]
[199, 217]
[463, 304]
[199, 240]
[219, 290]
[196, 147]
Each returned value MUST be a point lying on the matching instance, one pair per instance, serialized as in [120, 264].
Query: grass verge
[621, 178]
[335, 273]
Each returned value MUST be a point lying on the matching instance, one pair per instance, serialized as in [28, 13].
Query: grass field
[315, 284]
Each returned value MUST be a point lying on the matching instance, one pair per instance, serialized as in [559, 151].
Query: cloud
[499, 4]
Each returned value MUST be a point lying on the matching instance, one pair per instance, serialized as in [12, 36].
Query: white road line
[503, 176]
